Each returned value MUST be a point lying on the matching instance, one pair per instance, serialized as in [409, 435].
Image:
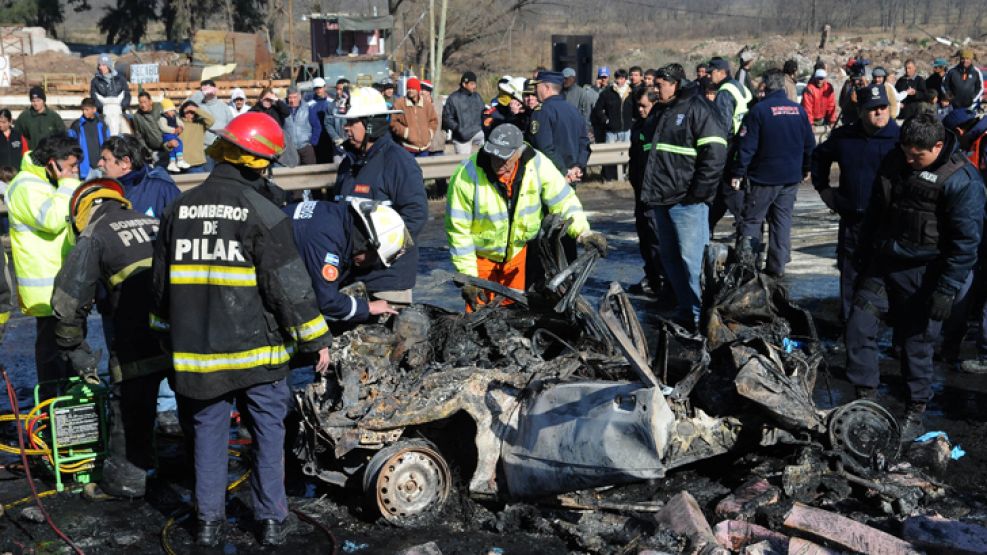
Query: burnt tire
[407, 482]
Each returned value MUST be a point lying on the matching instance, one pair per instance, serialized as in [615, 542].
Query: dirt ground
[469, 527]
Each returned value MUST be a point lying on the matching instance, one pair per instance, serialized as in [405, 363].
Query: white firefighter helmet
[365, 102]
[385, 229]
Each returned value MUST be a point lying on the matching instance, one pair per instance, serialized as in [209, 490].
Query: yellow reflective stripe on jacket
[122, 275]
[310, 330]
[205, 274]
[4, 316]
[711, 140]
[276, 355]
[675, 149]
[157, 323]
[477, 220]
[741, 97]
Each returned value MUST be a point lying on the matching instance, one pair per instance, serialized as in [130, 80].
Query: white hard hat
[516, 86]
[318, 83]
[385, 229]
[365, 102]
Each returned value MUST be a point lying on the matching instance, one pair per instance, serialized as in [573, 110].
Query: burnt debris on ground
[557, 422]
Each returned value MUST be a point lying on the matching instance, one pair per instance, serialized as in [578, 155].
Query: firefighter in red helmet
[229, 286]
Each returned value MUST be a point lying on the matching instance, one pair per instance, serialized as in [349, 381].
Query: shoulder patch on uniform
[149, 211]
[330, 273]
[679, 119]
[331, 259]
[534, 126]
[361, 189]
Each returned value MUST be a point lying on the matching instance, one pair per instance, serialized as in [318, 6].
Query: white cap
[318, 83]
[820, 74]
[238, 93]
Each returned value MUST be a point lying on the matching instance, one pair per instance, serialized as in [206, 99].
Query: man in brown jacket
[417, 123]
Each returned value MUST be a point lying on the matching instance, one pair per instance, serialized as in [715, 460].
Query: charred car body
[566, 397]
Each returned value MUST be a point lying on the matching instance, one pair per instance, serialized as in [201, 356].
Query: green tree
[128, 21]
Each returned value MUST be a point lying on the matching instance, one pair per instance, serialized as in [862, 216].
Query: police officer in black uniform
[557, 129]
[858, 148]
[918, 244]
[114, 249]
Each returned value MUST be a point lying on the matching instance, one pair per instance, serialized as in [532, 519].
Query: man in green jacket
[38, 121]
[145, 122]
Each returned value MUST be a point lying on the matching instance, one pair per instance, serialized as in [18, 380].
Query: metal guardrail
[433, 167]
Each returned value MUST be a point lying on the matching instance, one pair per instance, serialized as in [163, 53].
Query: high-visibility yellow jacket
[40, 234]
[481, 221]
[741, 99]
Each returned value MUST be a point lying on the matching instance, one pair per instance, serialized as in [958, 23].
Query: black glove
[470, 294]
[594, 240]
[84, 361]
[940, 306]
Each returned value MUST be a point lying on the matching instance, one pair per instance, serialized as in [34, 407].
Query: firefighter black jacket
[229, 285]
[113, 250]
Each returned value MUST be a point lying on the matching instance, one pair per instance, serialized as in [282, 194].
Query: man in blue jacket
[149, 189]
[775, 147]
[91, 132]
[377, 168]
[324, 138]
[338, 245]
[557, 129]
[858, 149]
[917, 247]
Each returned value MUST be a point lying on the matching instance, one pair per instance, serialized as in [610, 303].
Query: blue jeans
[683, 232]
[618, 136]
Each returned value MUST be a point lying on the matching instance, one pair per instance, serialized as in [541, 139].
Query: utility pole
[431, 41]
[439, 50]
[291, 40]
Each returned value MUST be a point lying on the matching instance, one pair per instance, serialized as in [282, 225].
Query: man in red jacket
[819, 101]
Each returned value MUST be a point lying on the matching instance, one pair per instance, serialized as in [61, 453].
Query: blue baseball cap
[604, 71]
[549, 77]
[958, 117]
[872, 96]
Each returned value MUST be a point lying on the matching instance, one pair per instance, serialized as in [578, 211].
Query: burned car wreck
[565, 397]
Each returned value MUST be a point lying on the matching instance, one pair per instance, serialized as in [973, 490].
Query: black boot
[210, 533]
[273, 532]
[914, 424]
[122, 479]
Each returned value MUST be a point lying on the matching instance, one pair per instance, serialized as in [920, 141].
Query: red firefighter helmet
[257, 133]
